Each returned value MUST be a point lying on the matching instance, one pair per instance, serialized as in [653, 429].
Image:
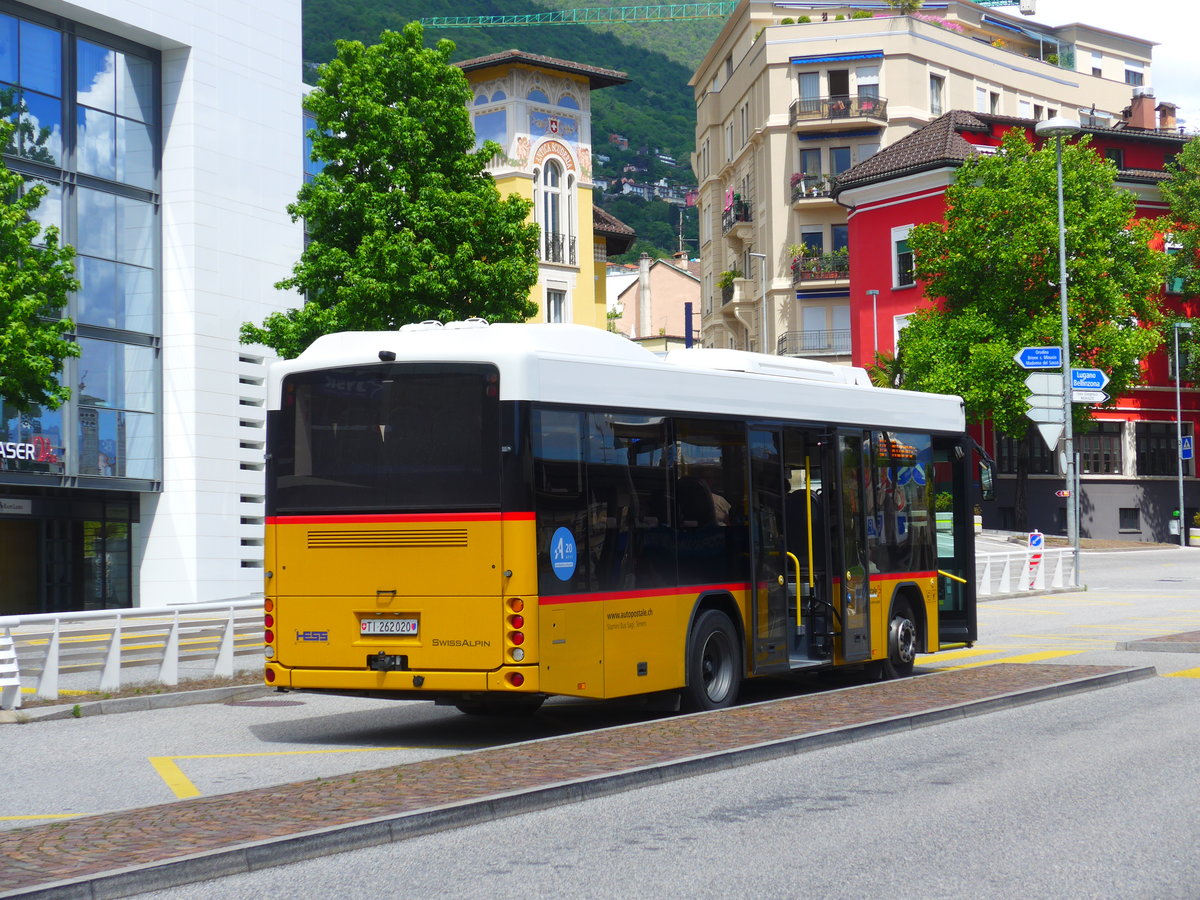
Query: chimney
[1166, 116]
[1140, 113]
[643, 325]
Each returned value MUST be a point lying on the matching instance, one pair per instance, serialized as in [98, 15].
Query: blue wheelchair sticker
[563, 554]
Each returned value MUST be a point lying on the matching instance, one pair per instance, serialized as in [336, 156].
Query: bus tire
[714, 664]
[902, 643]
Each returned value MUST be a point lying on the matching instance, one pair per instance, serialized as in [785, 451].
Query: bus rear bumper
[434, 682]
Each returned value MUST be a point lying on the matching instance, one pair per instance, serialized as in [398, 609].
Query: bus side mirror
[987, 479]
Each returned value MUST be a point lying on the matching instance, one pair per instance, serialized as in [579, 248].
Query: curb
[259, 855]
[1160, 646]
[139, 703]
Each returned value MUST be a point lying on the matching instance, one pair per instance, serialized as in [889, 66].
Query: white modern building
[172, 144]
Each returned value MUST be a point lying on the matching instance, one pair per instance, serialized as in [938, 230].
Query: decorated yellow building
[538, 109]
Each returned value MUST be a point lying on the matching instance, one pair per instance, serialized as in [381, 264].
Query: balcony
[826, 267]
[738, 214]
[558, 248]
[838, 109]
[815, 343]
[808, 185]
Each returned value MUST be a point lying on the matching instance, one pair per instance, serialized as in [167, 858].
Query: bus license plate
[389, 626]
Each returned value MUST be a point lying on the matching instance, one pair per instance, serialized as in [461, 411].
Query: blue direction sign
[1088, 380]
[1039, 357]
[1185, 448]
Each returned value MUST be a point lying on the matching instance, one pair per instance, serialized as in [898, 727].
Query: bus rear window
[386, 438]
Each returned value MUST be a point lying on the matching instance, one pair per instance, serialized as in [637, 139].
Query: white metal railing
[105, 641]
[1020, 570]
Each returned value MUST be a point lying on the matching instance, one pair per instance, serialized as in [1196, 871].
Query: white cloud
[1171, 25]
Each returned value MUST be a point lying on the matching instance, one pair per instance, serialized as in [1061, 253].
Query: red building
[1128, 463]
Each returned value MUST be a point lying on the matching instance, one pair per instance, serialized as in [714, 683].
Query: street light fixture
[1058, 128]
[1179, 430]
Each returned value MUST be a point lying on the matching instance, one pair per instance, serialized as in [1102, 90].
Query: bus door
[811, 612]
[955, 543]
[848, 532]
[768, 541]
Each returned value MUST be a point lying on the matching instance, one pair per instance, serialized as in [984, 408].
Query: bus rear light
[269, 636]
[269, 606]
[269, 621]
[517, 637]
[516, 679]
[269, 675]
[269, 652]
[517, 621]
[516, 604]
[517, 654]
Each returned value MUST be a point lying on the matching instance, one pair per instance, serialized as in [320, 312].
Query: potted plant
[977, 517]
[1194, 531]
[943, 505]
[725, 279]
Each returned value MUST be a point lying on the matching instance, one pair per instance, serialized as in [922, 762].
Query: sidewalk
[122, 853]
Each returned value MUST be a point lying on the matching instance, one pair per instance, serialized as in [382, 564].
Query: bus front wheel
[902, 643]
[714, 665]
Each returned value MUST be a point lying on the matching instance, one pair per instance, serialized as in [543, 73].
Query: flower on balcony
[797, 177]
[726, 278]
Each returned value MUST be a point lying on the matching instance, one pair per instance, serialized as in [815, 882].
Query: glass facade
[89, 108]
[92, 108]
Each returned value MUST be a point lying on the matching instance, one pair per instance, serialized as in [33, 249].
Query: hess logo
[319, 636]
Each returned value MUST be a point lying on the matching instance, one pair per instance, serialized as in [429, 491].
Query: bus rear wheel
[714, 665]
[902, 643]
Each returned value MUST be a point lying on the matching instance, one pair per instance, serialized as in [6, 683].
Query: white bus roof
[578, 365]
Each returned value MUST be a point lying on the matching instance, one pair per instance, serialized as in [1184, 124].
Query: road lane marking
[1185, 673]
[1022, 658]
[994, 607]
[43, 816]
[183, 788]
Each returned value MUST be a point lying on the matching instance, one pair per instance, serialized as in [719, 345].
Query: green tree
[1181, 190]
[905, 7]
[992, 271]
[35, 279]
[404, 222]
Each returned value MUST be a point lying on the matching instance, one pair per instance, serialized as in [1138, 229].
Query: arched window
[481, 99]
[538, 95]
[552, 211]
[498, 96]
[568, 101]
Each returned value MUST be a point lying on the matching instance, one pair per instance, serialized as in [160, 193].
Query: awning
[836, 57]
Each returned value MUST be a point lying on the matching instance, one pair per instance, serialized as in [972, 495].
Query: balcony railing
[559, 248]
[812, 185]
[820, 268]
[815, 343]
[739, 212]
[844, 107]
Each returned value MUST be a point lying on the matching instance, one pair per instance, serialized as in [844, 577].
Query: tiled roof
[941, 143]
[618, 236]
[596, 76]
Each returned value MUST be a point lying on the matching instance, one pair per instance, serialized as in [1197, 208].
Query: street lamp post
[1058, 127]
[1179, 431]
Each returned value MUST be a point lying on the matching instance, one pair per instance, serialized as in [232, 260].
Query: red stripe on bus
[605, 596]
[401, 517]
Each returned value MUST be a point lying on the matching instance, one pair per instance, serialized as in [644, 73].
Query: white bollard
[110, 677]
[1005, 575]
[47, 686]
[224, 664]
[10, 673]
[984, 586]
[168, 673]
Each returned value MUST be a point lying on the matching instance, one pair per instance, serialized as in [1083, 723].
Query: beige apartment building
[784, 104]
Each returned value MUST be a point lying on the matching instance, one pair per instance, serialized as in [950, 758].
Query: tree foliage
[35, 279]
[404, 223]
[992, 270]
[1181, 190]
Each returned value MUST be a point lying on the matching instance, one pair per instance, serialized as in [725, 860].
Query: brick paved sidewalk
[119, 853]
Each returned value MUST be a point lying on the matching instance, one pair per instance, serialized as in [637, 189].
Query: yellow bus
[490, 515]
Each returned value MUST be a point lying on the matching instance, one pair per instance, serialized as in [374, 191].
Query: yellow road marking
[183, 788]
[994, 607]
[45, 816]
[1023, 658]
[1185, 673]
[1073, 638]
